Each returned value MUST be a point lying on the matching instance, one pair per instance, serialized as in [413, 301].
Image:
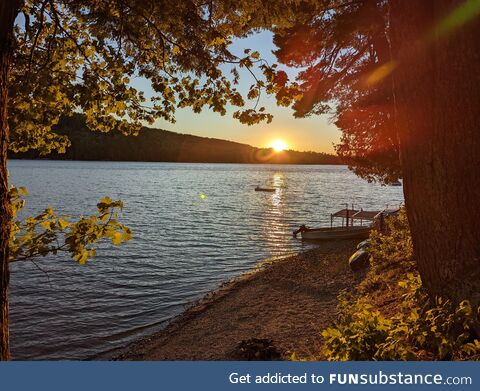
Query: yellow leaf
[117, 238]
[82, 258]
[106, 200]
[46, 225]
[127, 235]
[63, 223]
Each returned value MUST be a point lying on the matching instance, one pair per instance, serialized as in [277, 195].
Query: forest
[157, 145]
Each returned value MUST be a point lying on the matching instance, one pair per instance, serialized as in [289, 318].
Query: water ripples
[183, 245]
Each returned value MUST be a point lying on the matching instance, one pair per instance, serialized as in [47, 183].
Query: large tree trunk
[437, 114]
[8, 12]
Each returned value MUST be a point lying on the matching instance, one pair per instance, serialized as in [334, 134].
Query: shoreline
[287, 300]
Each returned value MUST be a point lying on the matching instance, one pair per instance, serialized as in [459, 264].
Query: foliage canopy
[83, 55]
[344, 56]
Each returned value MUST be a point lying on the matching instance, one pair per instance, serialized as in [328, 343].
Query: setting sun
[278, 145]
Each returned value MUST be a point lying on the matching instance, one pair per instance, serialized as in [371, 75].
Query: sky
[316, 133]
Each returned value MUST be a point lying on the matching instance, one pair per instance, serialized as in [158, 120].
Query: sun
[278, 145]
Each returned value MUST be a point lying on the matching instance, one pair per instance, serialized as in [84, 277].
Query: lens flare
[381, 72]
[461, 15]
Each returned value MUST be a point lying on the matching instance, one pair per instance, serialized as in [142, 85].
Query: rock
[255, 349]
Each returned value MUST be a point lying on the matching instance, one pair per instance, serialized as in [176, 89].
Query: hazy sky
[309, 134]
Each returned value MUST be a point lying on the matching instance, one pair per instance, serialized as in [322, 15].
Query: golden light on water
[278, 145]
[273, 219]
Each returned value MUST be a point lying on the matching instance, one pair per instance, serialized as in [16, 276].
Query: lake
[184, 244]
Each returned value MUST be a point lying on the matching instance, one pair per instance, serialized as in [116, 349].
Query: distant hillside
[156, 145]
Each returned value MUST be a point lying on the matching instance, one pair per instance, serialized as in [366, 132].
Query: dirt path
[289, 301]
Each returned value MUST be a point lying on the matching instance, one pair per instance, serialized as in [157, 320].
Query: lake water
[183, 246]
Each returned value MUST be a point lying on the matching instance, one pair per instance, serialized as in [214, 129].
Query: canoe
[360, 232]
[359, 260]
[364, 245]
[264, 189]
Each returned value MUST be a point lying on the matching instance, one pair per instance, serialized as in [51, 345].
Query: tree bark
[8, 12]
[437, 116]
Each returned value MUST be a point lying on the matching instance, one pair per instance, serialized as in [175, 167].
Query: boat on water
[267, 189]
[396, 183]
[366, 220]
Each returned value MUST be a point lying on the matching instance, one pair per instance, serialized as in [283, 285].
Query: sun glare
[278, 145]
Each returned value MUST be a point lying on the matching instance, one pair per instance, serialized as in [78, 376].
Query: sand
[288, 301]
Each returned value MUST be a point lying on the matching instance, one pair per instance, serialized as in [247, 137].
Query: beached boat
[327, 233]
[347, 230]
[258, 188]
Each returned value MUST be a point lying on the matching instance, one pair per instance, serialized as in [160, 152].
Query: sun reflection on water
[274, 225]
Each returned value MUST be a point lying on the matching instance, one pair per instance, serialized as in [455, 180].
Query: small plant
[357, 335]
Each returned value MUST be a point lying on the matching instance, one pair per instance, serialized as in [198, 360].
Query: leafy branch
[50, 233]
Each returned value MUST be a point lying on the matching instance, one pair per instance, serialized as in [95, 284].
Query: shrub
[393, 246]
[420, 328]
[357, 335]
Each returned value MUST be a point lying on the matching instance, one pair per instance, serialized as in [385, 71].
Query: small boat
[329, 233]
[270, 190]
[359, 260]
[347, 230]
[395, 183]
[365, 244]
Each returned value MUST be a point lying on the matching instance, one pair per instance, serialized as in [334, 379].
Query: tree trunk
[8, 12]
[437, 115]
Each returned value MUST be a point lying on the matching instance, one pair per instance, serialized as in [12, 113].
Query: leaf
[82, 257]
[46, 225]
[117, 238]
[106, 200]
[63, 224]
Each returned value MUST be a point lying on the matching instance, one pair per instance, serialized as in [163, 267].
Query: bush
[357, 336]
[419, 329]
[393, 246]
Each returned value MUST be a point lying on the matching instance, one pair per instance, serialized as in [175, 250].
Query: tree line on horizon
[158, 145]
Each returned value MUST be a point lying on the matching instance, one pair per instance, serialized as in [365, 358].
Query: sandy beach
[288, 301]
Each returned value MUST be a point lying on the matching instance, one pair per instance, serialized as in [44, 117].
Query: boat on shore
[327, 233]
[366, 220]
[267, 189]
